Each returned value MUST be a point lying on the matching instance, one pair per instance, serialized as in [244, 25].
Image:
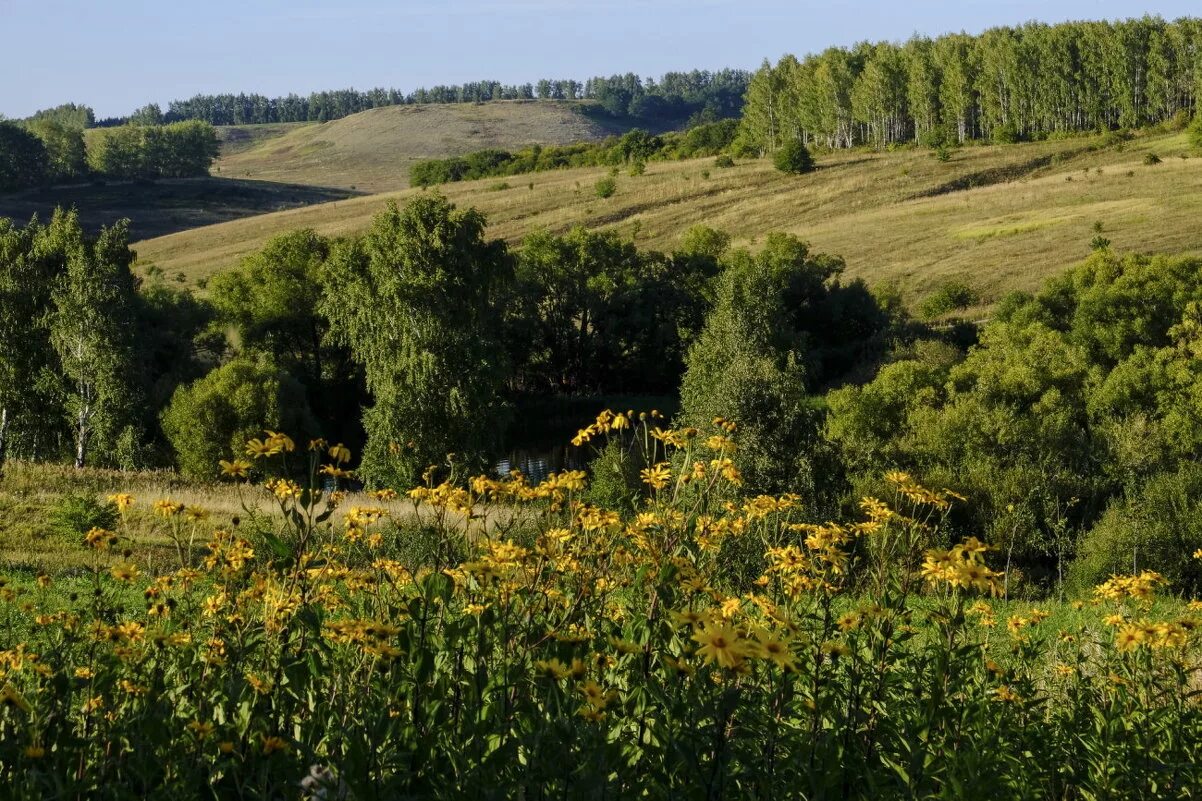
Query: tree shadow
[165, 207]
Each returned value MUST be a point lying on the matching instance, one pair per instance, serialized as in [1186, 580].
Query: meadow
[513, 638]
[1027, 211]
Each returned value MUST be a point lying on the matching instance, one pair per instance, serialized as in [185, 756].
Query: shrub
[949, 297]
[724, 161]
[1151, 159]
[1159, 527]
[943, 154]
[213, 418]
[1195, 132]
[606, 187]
[74, 515]
[498, 187]
[794, 158]
[638, 168]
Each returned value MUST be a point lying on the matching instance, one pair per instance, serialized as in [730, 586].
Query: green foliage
[66, 156]
[1072, 398]
[214, 417]
[1151, 159]
[1158, 526]
[148, 152]
[93, 331]
[748, 364]
[1195, 132]
[793, 157]
[75, 514]
[633, 148]
[605, 187]
[69, 115]
[1004, 85]
[271, 299]
[592, 314]
[724, 161]
[614, 477]
[23, 159]
[951, 296]
[414, 300]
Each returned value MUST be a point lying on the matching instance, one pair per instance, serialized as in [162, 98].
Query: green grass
[897, 216]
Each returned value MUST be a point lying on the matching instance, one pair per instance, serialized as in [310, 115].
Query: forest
[701, 95]
[1006, 84]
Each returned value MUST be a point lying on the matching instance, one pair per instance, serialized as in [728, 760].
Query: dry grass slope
[893, 216]
[372, 151]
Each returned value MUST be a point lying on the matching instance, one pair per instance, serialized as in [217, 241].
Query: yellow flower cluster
[962, 566]
[1140, 587]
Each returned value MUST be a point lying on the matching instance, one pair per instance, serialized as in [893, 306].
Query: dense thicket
[1073, 426]
[700, 94]
[1031, 81]
[706, 139]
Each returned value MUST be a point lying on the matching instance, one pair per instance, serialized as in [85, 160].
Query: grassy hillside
[372, 151]
[999, 217]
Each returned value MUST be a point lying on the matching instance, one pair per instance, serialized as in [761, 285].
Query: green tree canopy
[213, 418]
[414, 301]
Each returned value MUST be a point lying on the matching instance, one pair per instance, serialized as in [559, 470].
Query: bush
[606, 187]
[951, 296]
[1158, 528]
[638, 168]
[213, 418]
[724, 161]
[1195, 132]
[1151, 159]
[74, 515]
[794, 157]
[614, 477]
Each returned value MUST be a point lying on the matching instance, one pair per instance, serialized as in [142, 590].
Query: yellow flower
[125, 572]
[553, 669]
[238, 468]
[167, 508]
[719, 643]
[200, 729]
[340, 453]
[777, 651]
[271, 744]
[34, 752]
[1130, 636]
[122, 500]
[10, 696]
[656, 477]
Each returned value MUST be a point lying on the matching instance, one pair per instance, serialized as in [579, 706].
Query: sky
[117, 55]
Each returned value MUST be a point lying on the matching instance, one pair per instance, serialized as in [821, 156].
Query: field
[372, 151]
[998, 217]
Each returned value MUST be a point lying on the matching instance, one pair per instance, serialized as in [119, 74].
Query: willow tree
[414, 300]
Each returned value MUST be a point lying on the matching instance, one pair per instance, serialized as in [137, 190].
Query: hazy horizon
[132, 52]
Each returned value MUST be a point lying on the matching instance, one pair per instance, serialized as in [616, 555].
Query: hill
[371, 151]
[998, 217]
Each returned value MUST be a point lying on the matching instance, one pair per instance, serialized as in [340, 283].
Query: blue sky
[116, 55]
